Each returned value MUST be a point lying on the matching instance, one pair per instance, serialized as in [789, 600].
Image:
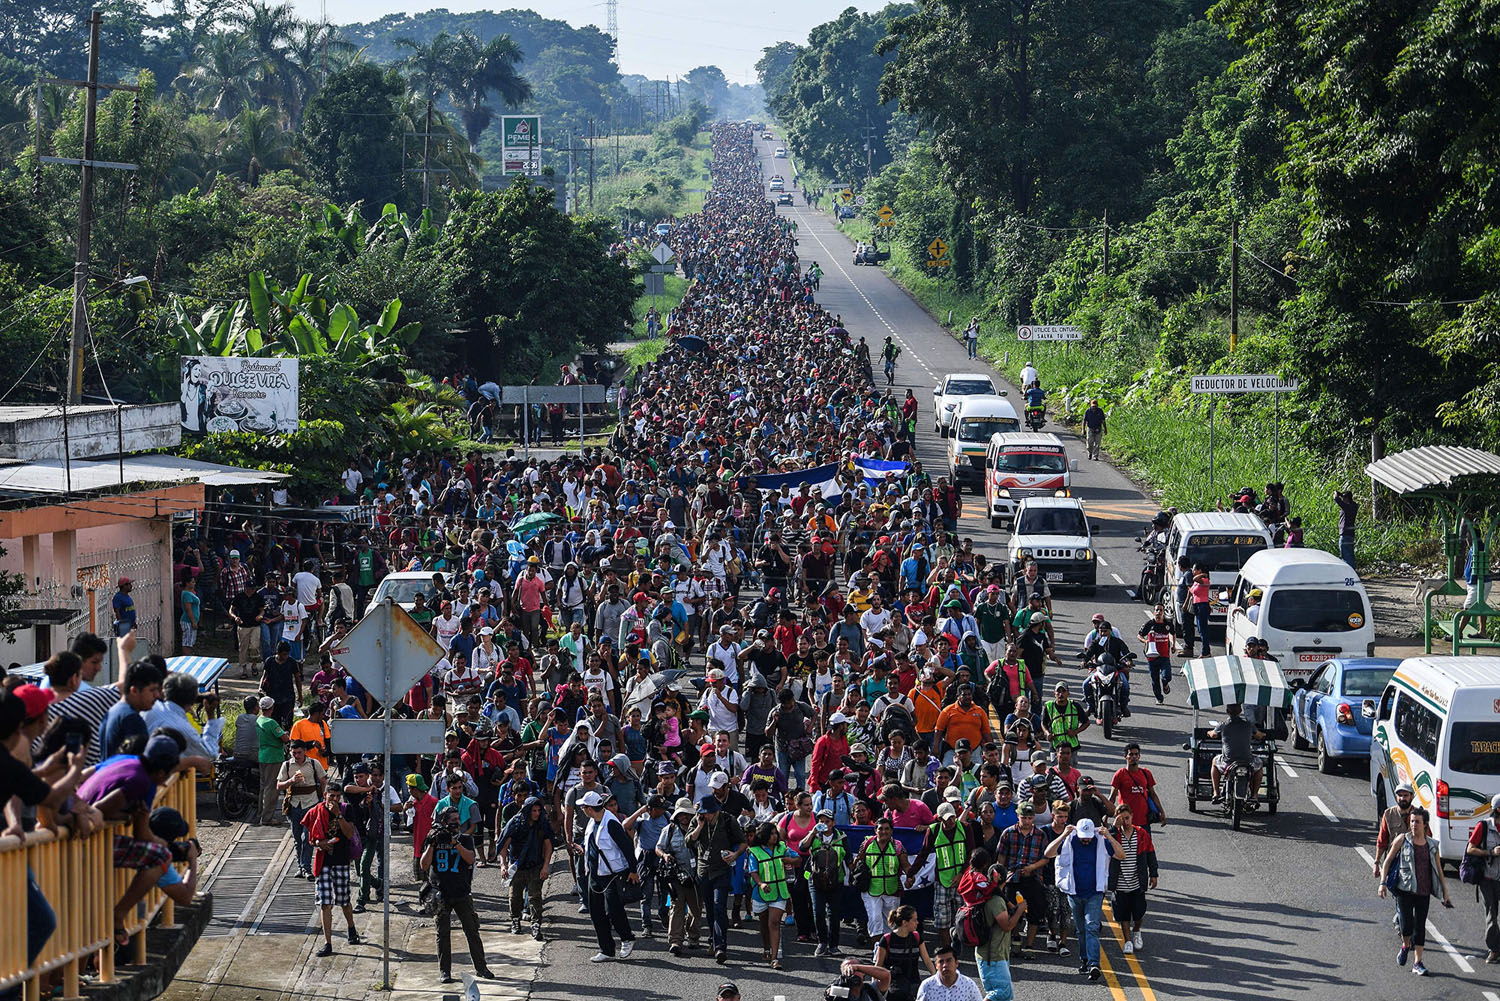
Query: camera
[180, 849]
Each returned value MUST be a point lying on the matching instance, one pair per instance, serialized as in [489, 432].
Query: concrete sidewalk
[260, 944]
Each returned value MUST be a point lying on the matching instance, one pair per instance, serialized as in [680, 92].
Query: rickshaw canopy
[1219, 681]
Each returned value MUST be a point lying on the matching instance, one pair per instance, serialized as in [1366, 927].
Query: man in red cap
[124, 607]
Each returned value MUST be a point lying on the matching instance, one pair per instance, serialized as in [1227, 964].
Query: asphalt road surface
[1284, 908]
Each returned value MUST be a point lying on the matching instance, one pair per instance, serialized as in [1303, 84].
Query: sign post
[1221, 385]
[937, 254]
[387, 652]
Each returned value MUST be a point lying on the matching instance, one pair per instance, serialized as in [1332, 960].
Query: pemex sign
[521, 143]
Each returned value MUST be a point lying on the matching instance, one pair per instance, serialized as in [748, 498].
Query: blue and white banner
[878, 471]
[822, 477]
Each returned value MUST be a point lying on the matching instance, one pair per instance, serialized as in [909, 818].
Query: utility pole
[1234, 283]
[426, 155]
[572, 178]
[591, 168]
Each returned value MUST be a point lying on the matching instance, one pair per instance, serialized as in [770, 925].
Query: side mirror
[1003, 392]
[937, 390]
[1367, 708]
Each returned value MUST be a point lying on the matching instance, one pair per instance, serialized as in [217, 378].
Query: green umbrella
[534, 523]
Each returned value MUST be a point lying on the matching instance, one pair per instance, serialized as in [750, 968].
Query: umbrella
[1219, 681]
[692, 342]
[534, 523]
[645, 693]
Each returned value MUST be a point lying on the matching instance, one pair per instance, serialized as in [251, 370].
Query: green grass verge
[675, 288]
[1159, 432]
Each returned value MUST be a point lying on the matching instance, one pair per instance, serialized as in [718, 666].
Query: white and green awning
[1219, 681]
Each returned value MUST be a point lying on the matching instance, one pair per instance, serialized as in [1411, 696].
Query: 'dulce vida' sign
[239, 394]
[1243, 384]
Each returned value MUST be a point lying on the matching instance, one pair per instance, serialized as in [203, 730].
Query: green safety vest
[772, 871]
[885, 868]
[366, 562]
[952, 853]
[1058, 723]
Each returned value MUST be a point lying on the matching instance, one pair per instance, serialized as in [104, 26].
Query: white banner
[238, 394]
[1243, 384]
[1048, 333]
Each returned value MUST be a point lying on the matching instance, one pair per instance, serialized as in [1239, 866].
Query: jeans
[653, 902]
[1489, 889]
[568, 616]
[1346, 548]
[1200, 618]
[270, 635]
[973, 346]
[607, 911]
[715, 894]
[795, 771]
[299, 837]
[1088, 914]
[469, 921]
[1161, 674]
[994, 980]
[825, 905]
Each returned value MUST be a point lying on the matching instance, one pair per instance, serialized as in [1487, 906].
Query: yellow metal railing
[79, 880]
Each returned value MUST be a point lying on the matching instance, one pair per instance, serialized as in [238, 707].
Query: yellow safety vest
[772, 871]
[885, 868]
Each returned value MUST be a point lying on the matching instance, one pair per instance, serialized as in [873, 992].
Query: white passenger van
[1437, 726]
[1219, 541]
[1022, 464]
[1313, 607]
[976, 420]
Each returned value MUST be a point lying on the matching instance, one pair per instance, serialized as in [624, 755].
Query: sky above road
[658, 38]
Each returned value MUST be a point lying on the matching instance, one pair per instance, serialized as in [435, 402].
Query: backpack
[970, 925]
[824, 865]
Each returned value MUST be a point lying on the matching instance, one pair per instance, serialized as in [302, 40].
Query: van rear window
[1316, 610]
[1474, 747]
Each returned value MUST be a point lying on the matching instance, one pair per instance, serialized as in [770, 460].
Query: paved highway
[1285, 908]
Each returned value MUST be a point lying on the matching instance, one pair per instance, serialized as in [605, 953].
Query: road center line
[1323, 809]
[1491, 996]
[1102, 561]
[1364, 853]
[1463, 963]
[1131, 960]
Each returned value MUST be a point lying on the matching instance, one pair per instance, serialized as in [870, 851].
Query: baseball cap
[1037, 618]
[591, 799]
[266, 702]
[716, 675]
[1026, 808]
[1086, 829]
[727, 990]
[168, 824]
[1098, 617]
[826, 811]
[946, 811]
[963, 744]
[234, 554]
[718, 780]
[35, 698]
[123, 581]
[837, 718]
[1405, 787]
[162, 751]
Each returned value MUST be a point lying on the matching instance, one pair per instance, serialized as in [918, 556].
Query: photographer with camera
[859, 982]
[448, 860]
[169, 825]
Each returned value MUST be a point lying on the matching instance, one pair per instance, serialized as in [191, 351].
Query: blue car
[1328, 714]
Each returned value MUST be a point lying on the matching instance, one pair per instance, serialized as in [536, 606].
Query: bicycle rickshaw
[1259, 687]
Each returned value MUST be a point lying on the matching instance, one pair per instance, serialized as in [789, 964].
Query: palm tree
[427, 67]
[254, 143]
[195, 163]
[312, 54]
[218, 80]
[268, 31]
[479, 70]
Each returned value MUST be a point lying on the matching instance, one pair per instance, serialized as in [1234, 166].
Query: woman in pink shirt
[1199, 594]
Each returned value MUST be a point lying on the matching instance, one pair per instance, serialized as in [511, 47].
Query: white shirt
[307, 584]
[872, 621]
[352, 479]
[445, 629]
[963, 989]
[295, 615]
[720, 718]
[1028, 376]
[724, 656]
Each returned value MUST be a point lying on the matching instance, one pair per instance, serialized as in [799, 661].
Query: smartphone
[74, 742]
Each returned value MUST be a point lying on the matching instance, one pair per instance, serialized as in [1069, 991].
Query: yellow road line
[1135, 964]
[1116, 991]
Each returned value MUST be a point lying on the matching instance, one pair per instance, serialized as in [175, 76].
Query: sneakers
[1166, 688]
[327, 950]
[1492, 957]
[819, 952]
[583, 908]
[449, 978]
[675, 949]
[646, 932]
[1063, 950]
[536, 931]
[1094, 973]
[1128, 948]
[626, 948]
[354, 938]
[483, 973]
[515, 926]
[599, 957]
[1135, 940]
[1401, 956]
[1419, 969]
[721, 957]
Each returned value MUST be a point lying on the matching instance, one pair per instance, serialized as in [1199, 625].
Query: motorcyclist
[1107, 649]
[1237, 734]
[1030, 377]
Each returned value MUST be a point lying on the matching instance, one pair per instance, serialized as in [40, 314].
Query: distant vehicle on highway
[777, 184]
[663, 229]
[947, 394]
[781, 151]
[767, 136]
[785, 198]
[1330, 713]
[404, 586]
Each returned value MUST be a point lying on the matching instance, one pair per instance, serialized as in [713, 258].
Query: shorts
[1130, 905]
[134, 853]
[1257, 763]
[759, 906]
[944, 905]
[332, 887]
[189, 635]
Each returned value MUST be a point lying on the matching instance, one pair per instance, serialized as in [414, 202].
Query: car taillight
[1345, 714]
[1442, 799]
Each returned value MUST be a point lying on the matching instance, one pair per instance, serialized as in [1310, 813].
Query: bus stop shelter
[1463, 487]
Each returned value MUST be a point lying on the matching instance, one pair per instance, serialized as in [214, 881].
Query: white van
[1219, 541]
[1022, 464]
[1313, 607]
[1437, 726]
[976, 420]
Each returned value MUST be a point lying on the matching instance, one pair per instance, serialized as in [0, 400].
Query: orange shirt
[307, 730]
[956, 723]
[928, 704]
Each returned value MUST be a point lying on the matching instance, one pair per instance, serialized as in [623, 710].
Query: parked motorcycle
[238, 787]
[1154, 570]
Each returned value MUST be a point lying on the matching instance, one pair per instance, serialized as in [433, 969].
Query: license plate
[1056, 576]
[1317, 656]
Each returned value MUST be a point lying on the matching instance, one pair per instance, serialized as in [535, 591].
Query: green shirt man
[271, 740]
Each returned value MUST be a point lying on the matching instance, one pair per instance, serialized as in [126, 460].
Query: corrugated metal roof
[1433, 467]
[49, 476]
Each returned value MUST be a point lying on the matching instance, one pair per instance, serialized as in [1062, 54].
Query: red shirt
[786, 640]
[529, 593]
[1133, 788]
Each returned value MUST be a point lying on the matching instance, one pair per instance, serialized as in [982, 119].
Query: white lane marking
[833, 258]
[1323, 809]
[1102, 561]
[1364, 853]
[1463, 963]
[1117, 577]
[1287, 768]
[1491, 996]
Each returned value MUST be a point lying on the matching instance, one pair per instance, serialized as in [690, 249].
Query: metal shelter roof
[1434, 468]
[49, 476]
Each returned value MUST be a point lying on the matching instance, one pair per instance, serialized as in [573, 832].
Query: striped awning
[32, 671]
[205, 670]
[1219, 681]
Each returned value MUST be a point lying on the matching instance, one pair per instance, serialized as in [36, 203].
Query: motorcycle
[1154, 570]
[1104, 690]
[1239, 790]
[1036, 417]
[238, 789]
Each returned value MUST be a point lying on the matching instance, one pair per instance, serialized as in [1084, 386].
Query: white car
[781, 152]
[945, 397]
[777, 184]
[1054, 532]
[404, 586]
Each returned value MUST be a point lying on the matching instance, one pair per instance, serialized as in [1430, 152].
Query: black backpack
[827, 874]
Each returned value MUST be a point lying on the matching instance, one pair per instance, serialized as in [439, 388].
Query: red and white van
[1022, 464]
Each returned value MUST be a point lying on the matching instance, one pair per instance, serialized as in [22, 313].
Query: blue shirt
[120, 723]
[124, 606]
[1085, 879]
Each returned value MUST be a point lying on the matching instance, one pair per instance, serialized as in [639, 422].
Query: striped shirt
[90, 705]
[1130, 867]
